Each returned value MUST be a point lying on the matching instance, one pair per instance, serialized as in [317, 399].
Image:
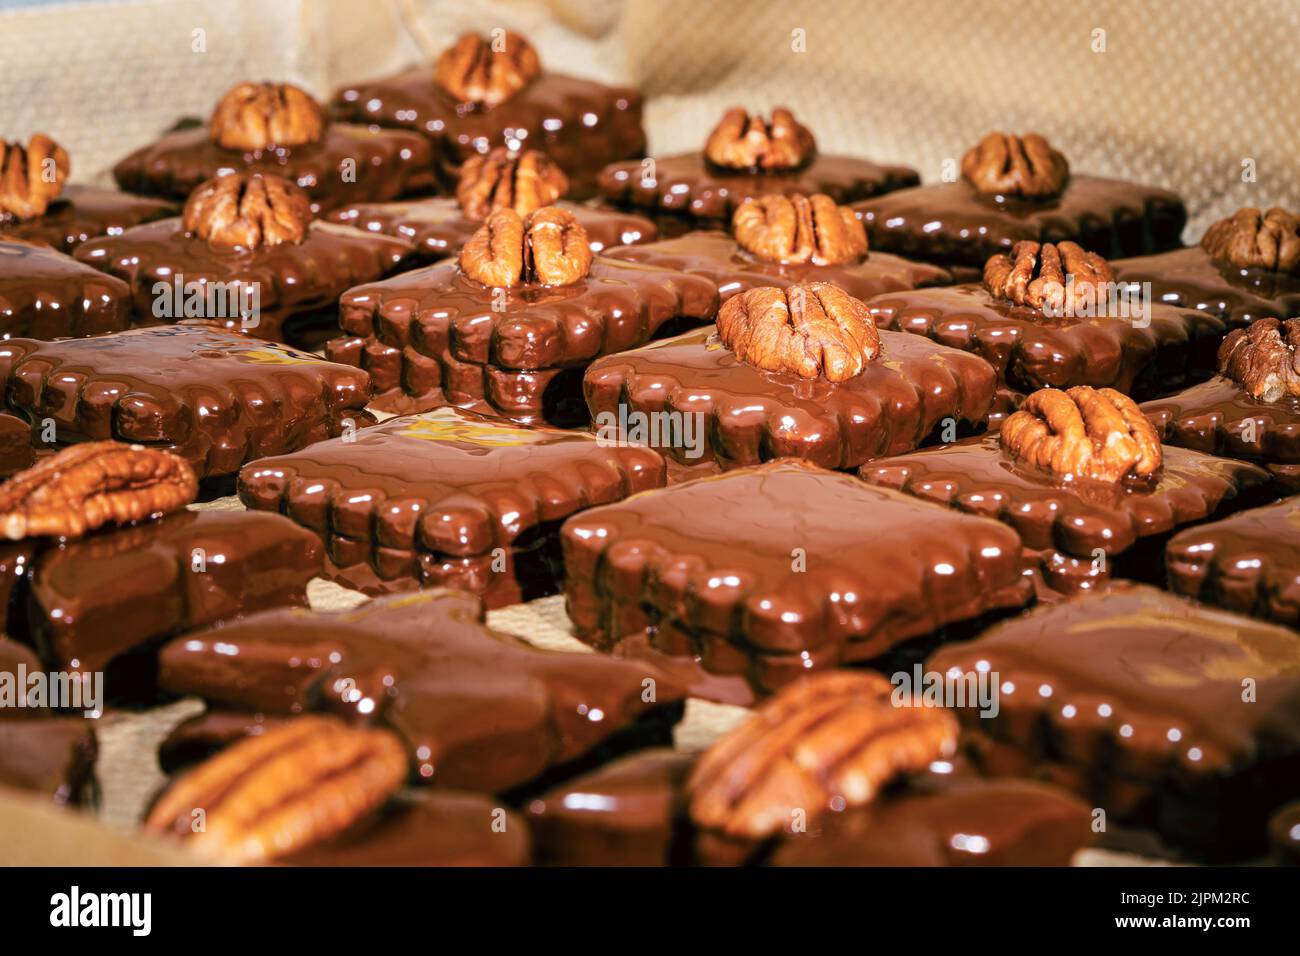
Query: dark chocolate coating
[715, 255]
[952, 223]
[214, 397]
[1032, 351]
[388, 163]
[1140, 697]
[94, 599]
[753, 415]
[80, 213]
[1249, 562]
[424, 500]
[442, 828]
[1216, 416]
[431, 336]
[439, 230]
[1284, 834]
[16, 450]
[978, 476]
[690, 186]
[1189, 279]
[580, 124]
[478, 709]
[294, 280]
[935, 821]
[773, 570]
[54, 757]
[48, 295]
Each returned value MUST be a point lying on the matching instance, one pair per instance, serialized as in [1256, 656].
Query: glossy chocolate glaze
[214, 397]
[91, 600]
[952, 223]
[479, 709]
[439, 230]
[425, 500]
[54, 757]
[690, 186]
[80, 213]
[47, 295]
[752, 415]
[1032, 351]
[581, 125]
[945, 820]
[431, 336]
[1219, 417]
[388, 163]
[1153, 721]
[1189, 279]
[198, 738]
[442, 828]
[978, 476]
[777, 569]
[294, 280]
[16, 450]
[716, 256]
[1284, 834]
[1249, 562]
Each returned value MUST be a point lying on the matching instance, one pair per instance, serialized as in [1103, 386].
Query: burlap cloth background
[1182, 94]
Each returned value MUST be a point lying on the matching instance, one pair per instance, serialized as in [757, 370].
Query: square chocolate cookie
[771, 571]
[214, 397]
[47, 295]
[448, 497]
[1165, 713]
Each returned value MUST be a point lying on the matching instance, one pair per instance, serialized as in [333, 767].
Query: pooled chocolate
[718, 569]
[47, 295]
[216, 398]
[477, 709]
[448, 498]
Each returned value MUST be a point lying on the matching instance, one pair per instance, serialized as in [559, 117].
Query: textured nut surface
[1249, 239]
[797, 229]
[271, 795]
[741, 141]
[257, 115]
[249, 210]
[90, 485]
[828, 738]
[814, 331]
[1035, 275]
[1095, 433]
[1262, 358]
[501, 179]
[487, 71]
[31, 176]
[549, 247]
[1006, 165]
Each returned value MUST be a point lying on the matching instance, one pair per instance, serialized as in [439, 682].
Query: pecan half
[254, 116]
[1095, 433]
[741, 141]
[86, 486]
[796, 229]
[523, 182]
[1249, 239]
[1035, 275]
[31, 176]
[475, 69]
[1262, 358]
[829, 740]
[284, 790]
[1005, 165]
[814, 331]
[249, 210]
[550, 247]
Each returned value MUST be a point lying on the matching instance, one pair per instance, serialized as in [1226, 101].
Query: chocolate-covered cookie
[770, 571]
[16, 448]
[48, 295]
[477, 709]
[280, 128]
[449, 498]
[53, 756]
[214, 397]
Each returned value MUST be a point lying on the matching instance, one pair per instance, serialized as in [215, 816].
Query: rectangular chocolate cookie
[214, 397]
[47, 295]
[1190, 279]
[448, 497]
